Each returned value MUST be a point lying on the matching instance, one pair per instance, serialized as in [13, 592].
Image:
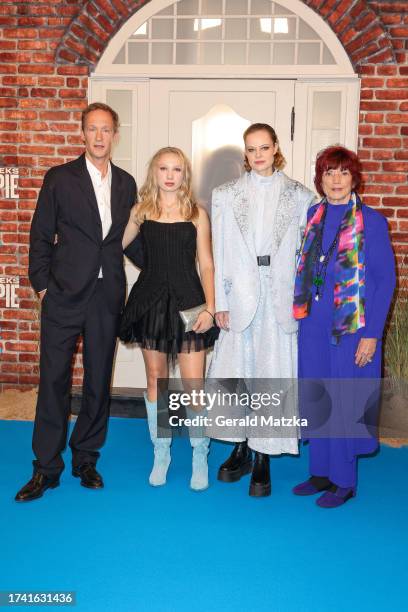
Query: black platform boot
[260, 485]
[237, 465]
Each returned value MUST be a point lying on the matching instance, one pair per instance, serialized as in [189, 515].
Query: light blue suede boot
[161, 447]
[199, 478]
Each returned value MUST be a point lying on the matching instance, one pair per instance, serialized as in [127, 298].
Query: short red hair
[332, 158]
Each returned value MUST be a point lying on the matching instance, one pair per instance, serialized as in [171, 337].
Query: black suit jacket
[136, 252]
[67, 211]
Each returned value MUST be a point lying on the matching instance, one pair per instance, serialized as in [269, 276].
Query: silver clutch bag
[190, 316]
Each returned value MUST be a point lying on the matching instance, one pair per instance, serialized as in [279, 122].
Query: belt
[264, 260]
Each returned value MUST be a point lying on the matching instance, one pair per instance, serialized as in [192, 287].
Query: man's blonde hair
[100, 106]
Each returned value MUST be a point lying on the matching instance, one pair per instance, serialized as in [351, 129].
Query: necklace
[321, 259]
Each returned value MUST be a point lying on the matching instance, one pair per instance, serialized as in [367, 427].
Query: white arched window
[214, 35]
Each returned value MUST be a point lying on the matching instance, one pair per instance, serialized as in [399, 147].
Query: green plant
[396, 342]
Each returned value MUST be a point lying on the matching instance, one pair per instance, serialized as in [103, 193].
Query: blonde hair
[149, 206]
[279, 161]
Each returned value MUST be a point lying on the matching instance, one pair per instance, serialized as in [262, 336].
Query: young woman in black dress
[175, 232]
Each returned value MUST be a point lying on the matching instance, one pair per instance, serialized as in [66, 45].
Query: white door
[206, 118]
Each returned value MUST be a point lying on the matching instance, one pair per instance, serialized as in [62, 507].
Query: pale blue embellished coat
[237, 279]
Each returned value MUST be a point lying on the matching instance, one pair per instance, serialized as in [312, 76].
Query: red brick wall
[383, 131]
[46, 50]
[40, 106]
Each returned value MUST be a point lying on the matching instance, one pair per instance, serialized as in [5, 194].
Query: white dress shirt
[265, 192]
[102, 189]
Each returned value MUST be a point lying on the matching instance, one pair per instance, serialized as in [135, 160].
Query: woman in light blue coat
[256, 223]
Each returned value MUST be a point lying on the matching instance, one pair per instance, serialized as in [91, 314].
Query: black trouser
[60, 329]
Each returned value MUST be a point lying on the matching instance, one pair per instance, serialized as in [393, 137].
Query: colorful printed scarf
[349, 270]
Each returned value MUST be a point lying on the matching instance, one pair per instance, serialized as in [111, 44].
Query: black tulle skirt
[160, 328]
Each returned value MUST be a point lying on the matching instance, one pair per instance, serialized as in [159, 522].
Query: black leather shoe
[260, 485]
[36, 486]
[237, 465]
[88, 475]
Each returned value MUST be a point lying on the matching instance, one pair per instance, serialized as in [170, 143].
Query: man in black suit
[76, 266]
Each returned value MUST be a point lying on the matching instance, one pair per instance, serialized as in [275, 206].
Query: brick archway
[353, 21]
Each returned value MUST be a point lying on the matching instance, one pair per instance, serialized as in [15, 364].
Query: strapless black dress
[168, 283]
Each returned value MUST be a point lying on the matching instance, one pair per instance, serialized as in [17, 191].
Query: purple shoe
[336, 496]
[315, 484]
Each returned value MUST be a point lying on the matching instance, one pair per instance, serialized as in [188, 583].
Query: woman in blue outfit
[344, 285]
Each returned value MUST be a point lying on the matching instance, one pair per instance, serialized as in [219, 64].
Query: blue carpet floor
[132, 547]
